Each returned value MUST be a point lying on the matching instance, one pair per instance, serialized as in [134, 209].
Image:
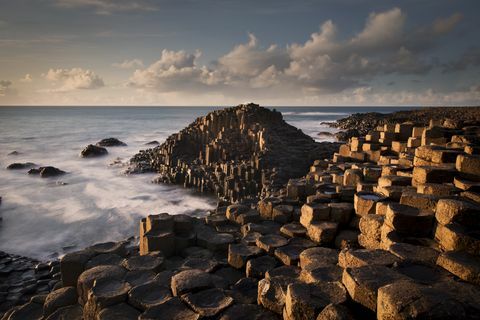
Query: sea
[95, 201]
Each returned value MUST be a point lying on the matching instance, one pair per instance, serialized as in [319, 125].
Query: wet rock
[57, 299]
[208, 303]
[335, 312]
[257, 267]
[121, 311]
[150, 262]
[110, 142]
[239, 254]
[147, 295]
[89, 277]
[92, 151]
[305, 301]
[271, 242]
[191, 281]
[19, 166]
[46, 172]
[248, 312]
[152, 143]
[173, 309]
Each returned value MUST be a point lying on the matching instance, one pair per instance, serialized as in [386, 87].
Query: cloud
[5, 88]
[129, 64]
[106, 7]
[471, 57]
[75, 78]
[322, 65]
[26, 79]
[445, 25]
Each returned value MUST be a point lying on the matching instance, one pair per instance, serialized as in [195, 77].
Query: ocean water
[95, 201]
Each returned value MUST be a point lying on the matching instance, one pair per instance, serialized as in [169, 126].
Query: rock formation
[91, 151]
[236, 153]
[388, 229]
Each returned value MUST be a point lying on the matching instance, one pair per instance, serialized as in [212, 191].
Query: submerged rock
[19, 166]
[46, 172]
[91, 151]
[111, 142]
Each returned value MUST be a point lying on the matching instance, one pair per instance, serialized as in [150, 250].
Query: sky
[272, 52]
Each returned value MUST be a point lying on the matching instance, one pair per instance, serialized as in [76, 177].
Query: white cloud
[26, 79]
[129, 64]
[109, 6]
[75, 78]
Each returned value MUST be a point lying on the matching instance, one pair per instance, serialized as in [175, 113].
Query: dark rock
[18, 166]
[154, 142]
[248, 312]
[147, 295]
[91, 151]
[110, 142]
[171, 309]
[121, 311]
[46, 172]
[208, 303]
[57, 299]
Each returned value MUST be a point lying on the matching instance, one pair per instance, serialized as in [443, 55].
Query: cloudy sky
[206, 52]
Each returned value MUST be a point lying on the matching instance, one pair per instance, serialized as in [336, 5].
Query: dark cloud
[471, 57]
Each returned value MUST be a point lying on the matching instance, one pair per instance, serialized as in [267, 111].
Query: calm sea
[44, 218]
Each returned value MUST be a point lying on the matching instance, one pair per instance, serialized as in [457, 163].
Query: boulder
[110, 142]
[92, 151]
[19, 166]
[46, 172]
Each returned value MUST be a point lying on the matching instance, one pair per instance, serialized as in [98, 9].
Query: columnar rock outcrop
[236, 153]
[363, 235]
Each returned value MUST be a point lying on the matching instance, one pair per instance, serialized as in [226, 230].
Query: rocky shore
[387, 227]
[359, 124]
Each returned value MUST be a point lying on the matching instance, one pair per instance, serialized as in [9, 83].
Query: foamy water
[95, 202]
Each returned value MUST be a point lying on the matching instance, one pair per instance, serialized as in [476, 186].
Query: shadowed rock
[92, 151]
[110, 142]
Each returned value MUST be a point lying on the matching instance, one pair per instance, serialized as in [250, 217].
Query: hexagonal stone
[153, 261]
[191, 280]
[105, 292]
[239, 254]
[208, 303]
[164, 278]
[257, 267]
[454, 237]
[291, 272]
[147, 295]
[214, 241]
[314, 212]
[365, 202]
[158, 240]
[335, 312]
[320, 274]
[73, 264]
[347, 239]
[322, 232]
[282, 213]
[216, 220]
[363, 257]
[197, 252]
[250, 239]
[318, 257]
[289, 254]
[207, 265]
[110, 247]
[182, 223]
[362, 283]
[136, 278]
[173, 309]
[234, 210]
[457, 211]
[87, 278]
[57, 299]
[406, 300]
[464, 265]
[305, 301]
[248, 312]
[293, 229]
[265, 207]
[341, 212]
[104, 259]
[407, 220]
[227, 277]
[270, 242]
[30, 310]
[69, 312]
[245, 290]
[248, 217]
[415, 254]
[272, 292]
